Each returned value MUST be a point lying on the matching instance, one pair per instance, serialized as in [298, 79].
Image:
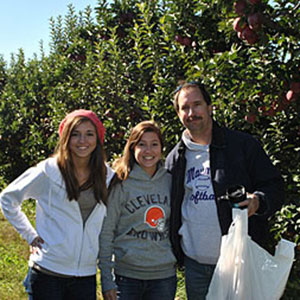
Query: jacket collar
[218, 138]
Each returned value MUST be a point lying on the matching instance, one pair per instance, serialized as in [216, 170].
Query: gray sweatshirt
[135, 230]
[200, 230]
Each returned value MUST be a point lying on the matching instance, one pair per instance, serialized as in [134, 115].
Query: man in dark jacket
[206, 162]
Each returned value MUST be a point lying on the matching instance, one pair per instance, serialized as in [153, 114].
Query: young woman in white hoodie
[136, 229]
[71, 197]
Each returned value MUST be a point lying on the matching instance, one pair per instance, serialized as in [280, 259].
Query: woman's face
[147, 152]
[83, 140]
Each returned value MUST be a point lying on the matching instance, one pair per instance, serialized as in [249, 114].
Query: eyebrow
[89, 130]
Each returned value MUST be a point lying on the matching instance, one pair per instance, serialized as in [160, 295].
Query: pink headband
[88, 114]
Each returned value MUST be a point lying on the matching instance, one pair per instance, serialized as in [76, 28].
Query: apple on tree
[179, 39]
[249, 35]
[254, 21]
[291, 96]
[250, 118]
[239, 24]
[240, 7]
[295, 87]
[187, 41]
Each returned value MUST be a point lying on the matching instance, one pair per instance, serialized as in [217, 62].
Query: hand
[35, 244]
[110, 295]
[252, 203]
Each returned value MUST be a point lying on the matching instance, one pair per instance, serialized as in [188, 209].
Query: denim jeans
[27, 284]
[47, 287]
[137, 289]
[197, 278]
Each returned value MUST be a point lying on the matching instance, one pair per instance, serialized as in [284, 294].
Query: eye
[198, 103]
[74, 133]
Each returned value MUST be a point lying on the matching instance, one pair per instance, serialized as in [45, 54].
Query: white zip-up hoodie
[69, 247]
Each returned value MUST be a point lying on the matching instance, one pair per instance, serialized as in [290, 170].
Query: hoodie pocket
[151, 257]
[58, 239]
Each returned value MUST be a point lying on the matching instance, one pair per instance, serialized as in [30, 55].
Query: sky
[24, 23]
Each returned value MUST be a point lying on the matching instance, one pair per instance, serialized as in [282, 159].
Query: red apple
[254, 21]
[249, 35]
[251, 118]
[240, 36]
[295, 87]
[179, 39]
[290, 95]
[239, 7]
[187, 41]
[239, 24]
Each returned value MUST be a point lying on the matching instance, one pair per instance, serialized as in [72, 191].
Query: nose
[81, 138]
[191, 112]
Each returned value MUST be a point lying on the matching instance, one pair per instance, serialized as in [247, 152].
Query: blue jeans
[197, 278]
[48, 287]
[136, 289]
[27, 285]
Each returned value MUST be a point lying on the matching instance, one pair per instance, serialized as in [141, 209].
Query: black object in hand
[236, 193]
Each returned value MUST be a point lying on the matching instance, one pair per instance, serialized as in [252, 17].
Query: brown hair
[124, 164]
[97, 178]
[185, 85]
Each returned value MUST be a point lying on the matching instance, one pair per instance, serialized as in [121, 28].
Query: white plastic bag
[245, 271]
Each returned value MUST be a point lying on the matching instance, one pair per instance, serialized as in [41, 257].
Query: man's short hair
[185, 85]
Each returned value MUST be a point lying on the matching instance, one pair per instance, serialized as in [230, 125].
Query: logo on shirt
[155, 217]
[198, 180]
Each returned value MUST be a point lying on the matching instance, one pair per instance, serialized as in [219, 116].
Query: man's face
[193, 111]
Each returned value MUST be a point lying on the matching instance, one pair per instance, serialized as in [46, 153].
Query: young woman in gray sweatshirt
[135, 258]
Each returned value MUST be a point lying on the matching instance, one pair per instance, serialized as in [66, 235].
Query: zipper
[82, 236]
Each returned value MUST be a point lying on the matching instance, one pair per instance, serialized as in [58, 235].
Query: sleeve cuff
[263, 205]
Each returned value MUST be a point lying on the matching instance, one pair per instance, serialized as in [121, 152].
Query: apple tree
[123, 60]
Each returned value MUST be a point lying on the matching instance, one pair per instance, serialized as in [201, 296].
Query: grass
[13, 262]
[14, 253]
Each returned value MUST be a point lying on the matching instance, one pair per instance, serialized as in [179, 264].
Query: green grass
[13, 262]
[14, 252]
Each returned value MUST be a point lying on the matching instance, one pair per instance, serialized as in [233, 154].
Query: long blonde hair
[97, 177]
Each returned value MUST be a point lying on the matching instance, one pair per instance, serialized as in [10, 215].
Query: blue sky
[23, 23]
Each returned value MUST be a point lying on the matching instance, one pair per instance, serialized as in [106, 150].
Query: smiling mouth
[148, 157]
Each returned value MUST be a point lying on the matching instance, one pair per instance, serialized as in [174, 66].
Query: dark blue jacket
[235, 158]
